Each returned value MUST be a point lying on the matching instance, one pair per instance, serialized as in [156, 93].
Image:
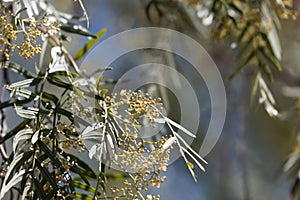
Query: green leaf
[59, 83]
[246, 46]
[49, 195]
[22, 135]
[15, 130]
[51, 155]
[47, 96]
[16, 68]
[89, 45]
[254, 85]
[16, 102]
[26, 112]
[64, 73]
[242, 66]
[39, 189]
[98, 83]
[84, 187]
[15, 180]
[15, 165]
[25, 190]
[116, 176]
[267, 71]
[77, 30]
[46, 174]
[272, 59]
[55, 161]
[83, 173]
[83, 196]
[24, 83]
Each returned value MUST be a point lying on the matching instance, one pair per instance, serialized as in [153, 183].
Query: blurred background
[246, 163]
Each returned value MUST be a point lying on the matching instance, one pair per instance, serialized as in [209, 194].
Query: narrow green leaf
[15, 165]
[84, 187]
[21, 10]
[59, 83]
[49, 195]
[246, 46]
[98, 83]
[83, 173]
[272, 59]
[254, 85]
[15, 130]
[51, 97]
[267, 71]
[77, 30]
[16, 102]
[16, 68]
[46, 174]
[242, 66]
[83, 196]
[51, 155]
[15, 180]
[39, 189]
[21, 136]
[269, 45]
[116, 176]
[64, 73]
[89, 45]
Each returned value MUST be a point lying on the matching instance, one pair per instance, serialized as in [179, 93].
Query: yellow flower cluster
[31, 29]
[144, 160]
[7, 33]
[138, 106]
[285, 10]
[144, 165]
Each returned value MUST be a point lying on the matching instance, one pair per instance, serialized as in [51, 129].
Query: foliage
[58, 128]
[251, 30]
[82, 118]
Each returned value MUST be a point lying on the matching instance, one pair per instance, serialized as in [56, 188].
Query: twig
[57, 42]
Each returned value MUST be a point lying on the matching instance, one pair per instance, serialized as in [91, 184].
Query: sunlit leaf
[21, 136]
[89, 45]
[179, 127]
[15, 180]
[16, 163]
[190, 165]
[83, 196]
[58, 62]
[84, 187]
